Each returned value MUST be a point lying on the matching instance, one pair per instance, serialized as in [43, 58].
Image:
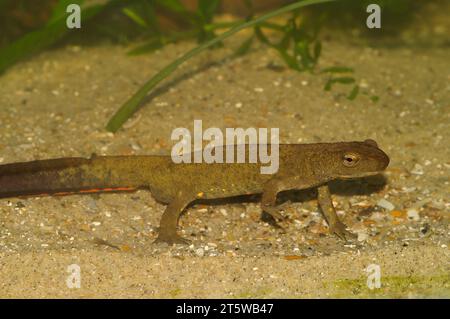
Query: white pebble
[417, 170]
[200, 252]
[385, 204]
[362, 236]
[413, 214]
[223, 211]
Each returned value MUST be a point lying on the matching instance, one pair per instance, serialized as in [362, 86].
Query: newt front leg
[326, 204]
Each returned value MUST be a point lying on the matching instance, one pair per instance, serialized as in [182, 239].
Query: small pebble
[385, 204]
[223, 211]
[413, 214]
[417, 170]
[200, 252]
[362, 236]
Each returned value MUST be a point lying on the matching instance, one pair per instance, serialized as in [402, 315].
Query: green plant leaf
[342, 80]
[272, 26]
[337, 69]
[172, 5]
[285, 41]
[150, 15]
[302, 49]
[317, 51]
[261, 37]
[244, 47]
[207, 8]
[289, 60]
[133, 15]
[354, 92]
[374, 98]
[130, 106]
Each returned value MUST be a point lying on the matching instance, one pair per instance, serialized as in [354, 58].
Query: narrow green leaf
[244, 47]
[261, 37]
[285, 41]
[328, 85]
[302, 49]
[150, 15]
[342, 80]
[172, 5]
[272, 26]
[207, 8]
[135, 17]
[353, 93]
[288, 59]
[317, 51]
[337, 69]
[374, 98]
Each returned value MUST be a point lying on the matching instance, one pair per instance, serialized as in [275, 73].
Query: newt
[301, 166]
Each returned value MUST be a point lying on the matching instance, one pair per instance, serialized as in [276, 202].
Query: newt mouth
[360, 175]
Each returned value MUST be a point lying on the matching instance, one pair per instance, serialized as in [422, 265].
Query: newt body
[301, 166]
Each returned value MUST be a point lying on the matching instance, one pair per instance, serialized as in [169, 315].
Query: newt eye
[350, 160]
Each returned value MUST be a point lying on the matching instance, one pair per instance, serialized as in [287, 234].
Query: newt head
[357, 159]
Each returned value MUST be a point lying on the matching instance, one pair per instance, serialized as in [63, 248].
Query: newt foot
[340, 230]
[274, 211]
[171, 239]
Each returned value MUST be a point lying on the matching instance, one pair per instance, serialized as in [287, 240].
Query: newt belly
[301, 166]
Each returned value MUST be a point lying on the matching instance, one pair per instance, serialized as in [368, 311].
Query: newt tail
[61, 176]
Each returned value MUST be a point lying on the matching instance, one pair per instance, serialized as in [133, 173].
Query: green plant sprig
[130, 106]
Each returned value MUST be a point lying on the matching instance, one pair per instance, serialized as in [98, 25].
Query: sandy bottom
[58, 103]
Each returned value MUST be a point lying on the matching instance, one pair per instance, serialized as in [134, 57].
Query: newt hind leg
[169, 221]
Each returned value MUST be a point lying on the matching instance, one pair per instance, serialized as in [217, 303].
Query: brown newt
[301, 166]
